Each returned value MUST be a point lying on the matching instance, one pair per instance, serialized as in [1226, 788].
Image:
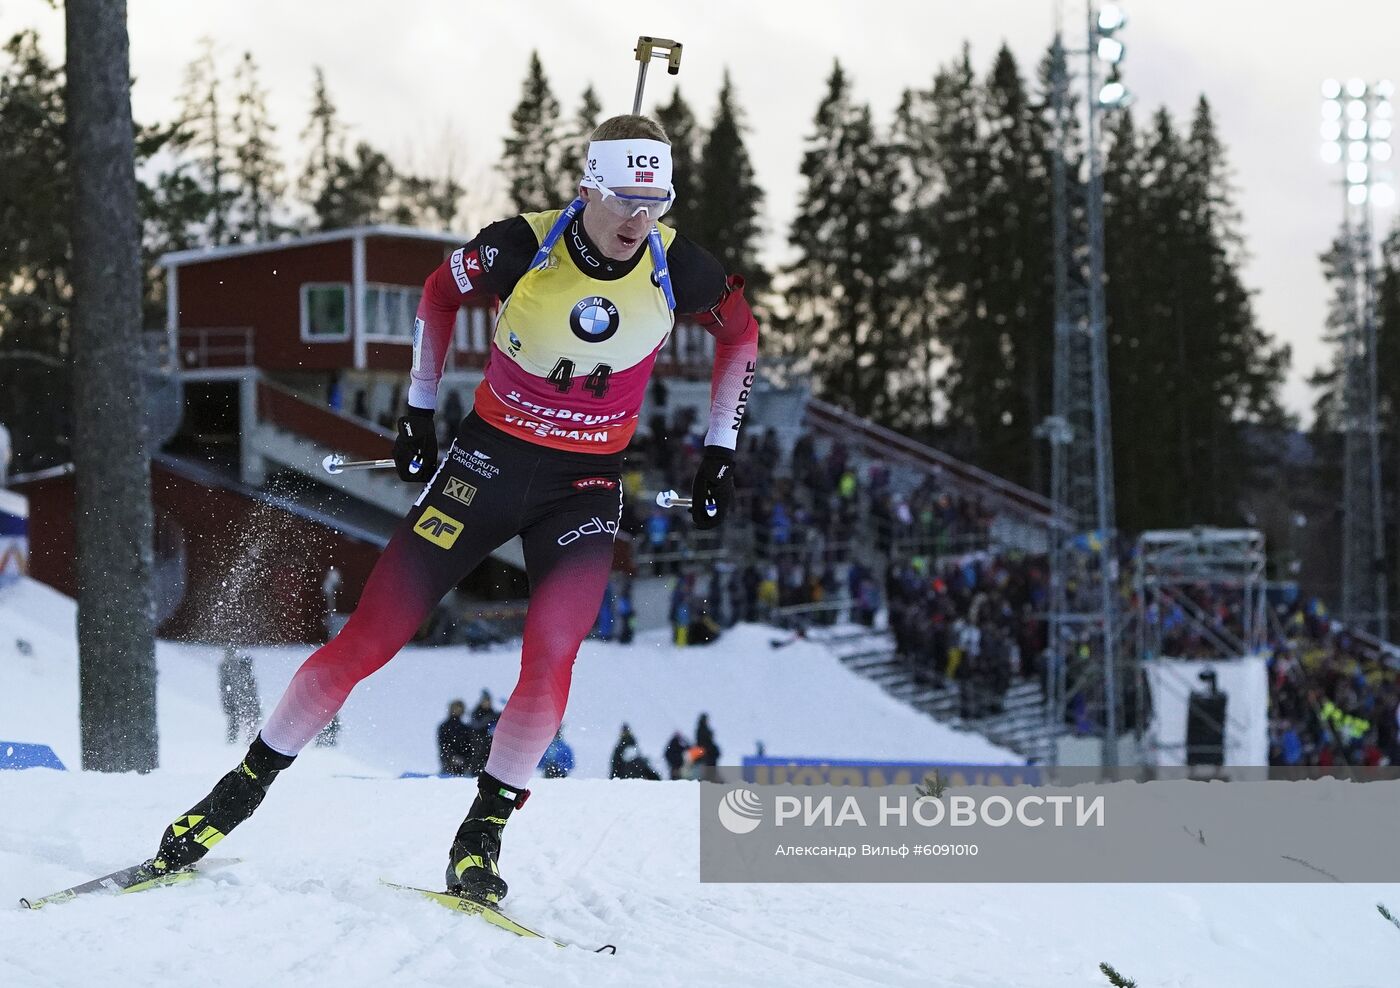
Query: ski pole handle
[337, 463]
[670, 499]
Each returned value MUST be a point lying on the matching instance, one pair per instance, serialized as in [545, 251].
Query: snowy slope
[589, 860]
[596, 861]
[799, 701]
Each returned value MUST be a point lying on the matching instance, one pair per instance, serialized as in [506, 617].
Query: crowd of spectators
[463, 747]
[1333, 701]
[975, 620]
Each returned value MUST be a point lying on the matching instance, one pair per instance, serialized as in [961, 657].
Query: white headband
[628, 163]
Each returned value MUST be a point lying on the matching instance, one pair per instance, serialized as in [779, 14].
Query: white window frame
[306, 335]
[405, 297]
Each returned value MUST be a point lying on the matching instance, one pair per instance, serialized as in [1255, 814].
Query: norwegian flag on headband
[645, 178]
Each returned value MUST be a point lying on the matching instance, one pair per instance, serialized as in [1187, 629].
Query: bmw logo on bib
[594, 319]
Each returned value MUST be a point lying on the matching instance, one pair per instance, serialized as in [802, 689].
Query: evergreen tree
[685, 135]
[528, 164]
[1190, 371]
[202, 135]
[361, 191]
[35, 279]
[954, 229]
[258, 181]
[841, 296]
[325, 139]
[572, 147]
[730, 200]
[1003, 349]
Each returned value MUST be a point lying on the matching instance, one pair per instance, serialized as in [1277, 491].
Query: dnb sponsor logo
[594, 526]
[459, 265]
[438, 528]
[459, 490]
[595, 484]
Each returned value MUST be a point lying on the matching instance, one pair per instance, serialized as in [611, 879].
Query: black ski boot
[471, 864]
[210, 820]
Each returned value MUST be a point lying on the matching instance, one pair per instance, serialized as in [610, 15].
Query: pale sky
[419, 76]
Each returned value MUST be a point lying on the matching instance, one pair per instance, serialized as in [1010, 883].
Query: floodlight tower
[1356, 130]
[1080, 431]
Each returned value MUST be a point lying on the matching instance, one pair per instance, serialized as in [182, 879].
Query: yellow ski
[487, 912]
[137, 878]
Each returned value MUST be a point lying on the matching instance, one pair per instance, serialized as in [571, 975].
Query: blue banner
[16, 754]
[837, 772]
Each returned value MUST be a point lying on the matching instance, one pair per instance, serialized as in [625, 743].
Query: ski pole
[647, 49]
[337, 463]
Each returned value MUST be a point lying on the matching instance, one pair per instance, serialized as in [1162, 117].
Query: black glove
[714, 482]
[416, 448]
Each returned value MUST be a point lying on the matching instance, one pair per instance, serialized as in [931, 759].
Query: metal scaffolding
[1084, 619]
[1356, 117]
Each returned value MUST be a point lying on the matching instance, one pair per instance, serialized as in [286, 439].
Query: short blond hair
[629, 125]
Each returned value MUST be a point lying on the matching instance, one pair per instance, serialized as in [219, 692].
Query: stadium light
[1111, 18]
[1331, 152]
[1331, 130]
[1380, 151]
[1356, 195]
[1357, 172]
[1356, 88]
[1111, 50]
[1114, 95]
[1331, 89]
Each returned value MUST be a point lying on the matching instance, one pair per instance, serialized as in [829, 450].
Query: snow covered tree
[528, 163]
[116, 634]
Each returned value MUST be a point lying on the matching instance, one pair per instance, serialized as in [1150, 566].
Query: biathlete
[587, 298]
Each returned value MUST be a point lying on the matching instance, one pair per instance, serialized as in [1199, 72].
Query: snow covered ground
[589, 860]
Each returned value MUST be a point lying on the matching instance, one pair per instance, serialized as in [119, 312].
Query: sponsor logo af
[594, 526]
[488, 257]
[438, 528]
[459, 273]
[515, 343]
[595, 484]
[459, 490]
[476, 461]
